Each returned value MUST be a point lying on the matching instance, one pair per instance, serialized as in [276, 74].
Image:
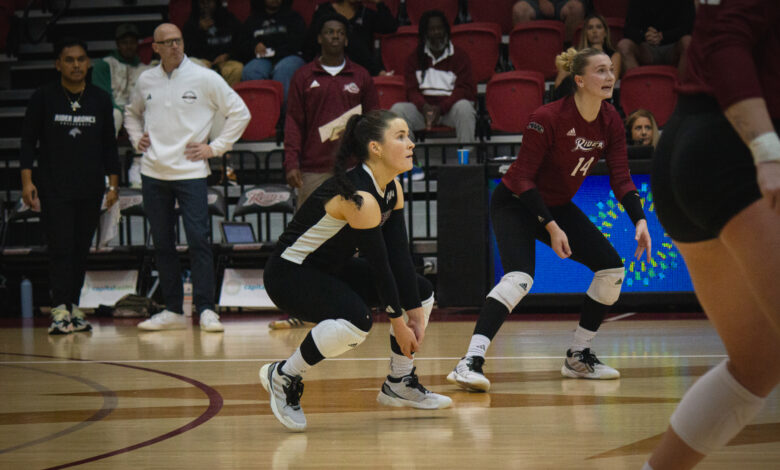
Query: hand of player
[404, 336]
[643, 241]
[30, 197]
[768, 176]
[111, 198]
[294, 178]
[144, 143]
[195, 151]
[417, 323]
[559, 242]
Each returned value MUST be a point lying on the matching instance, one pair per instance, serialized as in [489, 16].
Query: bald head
[166, 29]
[169, 45]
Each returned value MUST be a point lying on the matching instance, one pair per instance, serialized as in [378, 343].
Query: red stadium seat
[240, 9]
[492, 11]
[616, 26]
[481, 42]
[616, 8]
[305, 8]
[145, 51]
[397, 47]
[534, 45]
[511, 97]
[264, 100]
[415, 9]
[391, 90]
[650, 87]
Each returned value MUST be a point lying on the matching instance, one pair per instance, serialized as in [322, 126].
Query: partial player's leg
[516, 230]
[591, 248]
[729, 396]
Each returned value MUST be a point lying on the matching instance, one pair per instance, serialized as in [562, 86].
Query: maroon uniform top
[560, 148]
[318, 106]
[735, 52]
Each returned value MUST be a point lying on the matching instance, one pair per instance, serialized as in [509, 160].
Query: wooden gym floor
[119, 398]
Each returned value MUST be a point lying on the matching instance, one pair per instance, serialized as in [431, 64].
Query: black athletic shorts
[313, 295]
[517, 229]
[703, 174]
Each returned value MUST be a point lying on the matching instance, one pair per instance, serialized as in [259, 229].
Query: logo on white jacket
[587, 145]
[189, 96]
[352, 87]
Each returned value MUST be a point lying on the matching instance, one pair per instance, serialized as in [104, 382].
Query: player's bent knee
[714, 410]
[335, 337]
[606, 285]
[511, 289]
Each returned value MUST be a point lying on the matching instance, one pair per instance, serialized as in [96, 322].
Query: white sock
[478, 346]
[582, 339]
[400, 365]
[296, 365]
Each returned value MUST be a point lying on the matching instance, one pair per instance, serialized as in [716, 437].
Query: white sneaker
[408, 391]
[468, 374]
[585, 365]
[78, 320]
[60, 321]
[209, 321]
[285, 395]
[165, 320]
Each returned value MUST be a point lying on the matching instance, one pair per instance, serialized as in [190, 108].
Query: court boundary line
[123, 362]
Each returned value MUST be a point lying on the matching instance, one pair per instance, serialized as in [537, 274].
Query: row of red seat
[491, 11]
[510, 97]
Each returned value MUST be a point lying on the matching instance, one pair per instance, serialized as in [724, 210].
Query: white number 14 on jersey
[581, 167]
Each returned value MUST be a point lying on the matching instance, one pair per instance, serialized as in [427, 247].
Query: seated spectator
[439, 82]
[595, 34]
[657, 33]
[571, 12]
[272, 40]
[116, 74]
[642, 129]
[364, 24]
[209, 39]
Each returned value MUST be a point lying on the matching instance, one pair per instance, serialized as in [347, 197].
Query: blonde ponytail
[565, 60]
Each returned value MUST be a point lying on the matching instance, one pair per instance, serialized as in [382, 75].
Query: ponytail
[360, 130]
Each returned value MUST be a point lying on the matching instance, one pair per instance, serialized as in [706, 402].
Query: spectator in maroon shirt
[716, 182]
[656, 33]
[534, 202]
[323, 95]
[439, 82]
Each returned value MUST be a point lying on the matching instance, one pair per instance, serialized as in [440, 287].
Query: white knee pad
[606, 285]
[427, 306]
[335, 337]
[511, 289]
[714, 410]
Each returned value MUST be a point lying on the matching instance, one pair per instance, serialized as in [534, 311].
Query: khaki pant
[230, 69]
[311, 181]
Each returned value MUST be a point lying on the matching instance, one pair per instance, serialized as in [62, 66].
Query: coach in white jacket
[171, 112]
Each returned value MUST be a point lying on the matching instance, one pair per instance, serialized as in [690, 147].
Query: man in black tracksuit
[71, 123]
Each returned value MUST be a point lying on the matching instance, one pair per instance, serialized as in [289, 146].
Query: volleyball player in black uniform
[716, 181]
[315, 276]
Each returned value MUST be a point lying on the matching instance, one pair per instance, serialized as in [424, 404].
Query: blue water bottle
[26, 291]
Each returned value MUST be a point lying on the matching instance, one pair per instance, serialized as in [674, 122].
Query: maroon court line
[109, 405]
[215, 405]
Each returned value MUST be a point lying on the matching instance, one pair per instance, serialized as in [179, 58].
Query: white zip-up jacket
[180, 109]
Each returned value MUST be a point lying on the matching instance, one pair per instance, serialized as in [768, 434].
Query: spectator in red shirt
[534, 202]
[716, 181]
[323, 95]
[439, 82]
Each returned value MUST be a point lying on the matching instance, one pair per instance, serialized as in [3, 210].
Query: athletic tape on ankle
[335, 337]
[714, 410]
[511, 289]
[765, 148]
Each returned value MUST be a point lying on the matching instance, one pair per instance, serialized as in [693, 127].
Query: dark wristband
[532, 200]
[632, 203]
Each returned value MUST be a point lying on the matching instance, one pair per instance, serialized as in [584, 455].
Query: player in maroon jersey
[716, 180]
[534, 202]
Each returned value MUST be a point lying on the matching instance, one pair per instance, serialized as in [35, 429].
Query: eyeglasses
[170, 42]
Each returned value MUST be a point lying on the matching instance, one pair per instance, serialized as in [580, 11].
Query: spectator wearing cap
[117, 73]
